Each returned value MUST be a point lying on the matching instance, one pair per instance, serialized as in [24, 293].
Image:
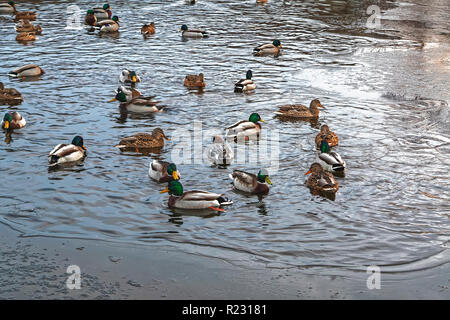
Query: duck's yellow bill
[175, 175]
[261, 120]
[133, 79]
[308, 173]
[112, 100]
[6, 124]
[165, 190]
[83, 147]
[268, 180]
[281, 46]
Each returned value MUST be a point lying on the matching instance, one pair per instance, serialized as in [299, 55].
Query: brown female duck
[329, 136]
[300, 111]
[25, 25]
[193, 80]
[144, 140]
[148, 29]
[9, 95]
[321, 181]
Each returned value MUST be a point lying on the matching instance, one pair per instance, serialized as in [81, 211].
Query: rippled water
[387, 95]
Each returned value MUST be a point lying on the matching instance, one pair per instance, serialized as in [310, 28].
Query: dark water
[387, 95]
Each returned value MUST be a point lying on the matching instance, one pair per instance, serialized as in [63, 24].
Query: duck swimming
[144, 140]
[13, 120]
[163, 171]
[273, 48]
[129, 77]
[321, 181]
[103, 13]
[330, 161]
[326, 134]
[9, 95]
[64, 153]
[29, 70]
[109, 25]
[195, 81]
[9, 7]
[148, 29]
[192, 33]
[90, 19]
[195, 200]
[246, 128]
[136, 105]
[248, 182]
[27, 26]
[300, 111]
[26, 36]
[246, 84]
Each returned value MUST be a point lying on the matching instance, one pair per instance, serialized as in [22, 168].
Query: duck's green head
[133, 76]
[175, 188]
[11, 3]
[106, 6]
[324, 147]
[120, 96]
[115, 18]
[78, 141]
[254, 117]
[249, 74]
[90, 11]
[184, 27]
[172, 171]
[277, 43]
[263, 176]
[7, 120]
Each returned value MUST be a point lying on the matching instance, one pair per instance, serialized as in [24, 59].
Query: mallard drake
[251, 183]
[220, 153]
[192, 33]
[330, 161]
[90, 19]
[245, 129]
[109, 25]
[163, 171]
[13, 120]
[268, 48]
[195, 199]
[64, 153]
[25, 25]
[9, 7]
[329, 136]
[144, 140]
[193, 80]
[131, 93]
[103, 13]
[26, 36]
[28, 15]
[246, 84]
[129, 77]
[29, 70]
[148, 29]
[9, 95]
[321, 181]
[301, 111]
[137, 105]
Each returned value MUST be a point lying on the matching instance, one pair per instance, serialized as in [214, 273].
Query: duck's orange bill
[83, 147]
[322, 106]
[6, 124]
[112, 100]
[217, 209]
[165, 190]
[308, 173]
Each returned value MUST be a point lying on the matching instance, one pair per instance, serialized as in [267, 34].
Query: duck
[248, 182]
[325, 133]
[130, 93]
[245, 129]
[9, 7]
[321, 181]
[330, 161]
[163, 171]
[301, 111]
[144, 140]
[65, 153]
[103, 13]
[273, 48]
[220, 153]
[109, 25]
[246, 84]
[28, 15]
[13, 120]
[90, 19]
[25, 25]
[195, 199]
[29, 70]
[129, 77]
[9, 95]
[26, 36]
[137, 105]
[192, 33]
[148, 29]
[192, 80]
[190, 1]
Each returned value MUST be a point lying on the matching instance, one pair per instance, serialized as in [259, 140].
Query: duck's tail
[223, 201]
